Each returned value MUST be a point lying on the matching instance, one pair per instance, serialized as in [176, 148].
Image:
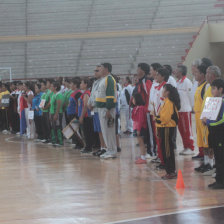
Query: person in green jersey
[56, 114]
[66, 95]
[45, 110]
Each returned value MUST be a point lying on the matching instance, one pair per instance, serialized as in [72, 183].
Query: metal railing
[215, 18]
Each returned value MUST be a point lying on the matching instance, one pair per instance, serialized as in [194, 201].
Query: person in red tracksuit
[143, 87]
[139, 117]
[158, 101]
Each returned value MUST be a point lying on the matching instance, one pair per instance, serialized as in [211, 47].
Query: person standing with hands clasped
[106, 103]
[56, 114]
[166, 121]
[215, 138]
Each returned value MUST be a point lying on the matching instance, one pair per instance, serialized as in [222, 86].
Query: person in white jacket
[125, 100]
[171, 79]
[184, 87]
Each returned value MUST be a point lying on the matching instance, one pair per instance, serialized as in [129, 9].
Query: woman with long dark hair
[166, 122]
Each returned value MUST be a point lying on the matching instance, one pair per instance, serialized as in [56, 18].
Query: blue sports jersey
[36, 103]
[71, 109]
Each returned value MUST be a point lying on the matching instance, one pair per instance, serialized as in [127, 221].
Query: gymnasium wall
[21, 20]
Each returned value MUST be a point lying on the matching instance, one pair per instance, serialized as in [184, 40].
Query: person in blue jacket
[37, 111]
[216, 135]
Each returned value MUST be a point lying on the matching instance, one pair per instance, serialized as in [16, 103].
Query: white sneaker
[18, 133]
[156, 160]
[186, 152]
[209, 173]
[37, 140]
[108, 155]
[148, 156]
[5, 132]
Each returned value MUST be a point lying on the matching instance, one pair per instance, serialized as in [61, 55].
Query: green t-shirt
[67, 95]
[46, 96]
[54, 98]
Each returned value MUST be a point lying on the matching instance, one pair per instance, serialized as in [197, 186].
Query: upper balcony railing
[215, 18]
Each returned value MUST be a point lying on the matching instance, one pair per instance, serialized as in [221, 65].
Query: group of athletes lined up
[154, 105]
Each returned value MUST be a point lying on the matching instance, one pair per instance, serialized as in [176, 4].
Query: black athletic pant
[4, 119]
[166, 137]
[15, 122]
[219, 162]
[88, 131]
[45, 119]
[216, 142]
[38, 126]
[175, 138]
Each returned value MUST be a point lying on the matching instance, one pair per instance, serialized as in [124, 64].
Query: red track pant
[185, 129]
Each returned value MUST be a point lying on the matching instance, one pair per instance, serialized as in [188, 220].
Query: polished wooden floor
[40, 184]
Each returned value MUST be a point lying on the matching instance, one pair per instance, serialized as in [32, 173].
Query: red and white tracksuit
[184, 87]
[155, 103]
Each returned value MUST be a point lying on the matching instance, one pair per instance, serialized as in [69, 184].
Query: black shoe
[96, 153]
[217, 186]
[78, 147]
[211, 185]
[127, 132]
[86, 151]
[206, 168]
[118, 149]
[156, 160]
[150, 153]
[101, 152]
[170, 176]
[46, 141]
[160, 167]
[198, 156]
[201, 167]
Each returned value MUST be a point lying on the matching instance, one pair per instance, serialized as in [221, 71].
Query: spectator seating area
[78, 56]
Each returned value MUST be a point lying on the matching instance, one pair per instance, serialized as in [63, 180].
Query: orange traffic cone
[180, 181]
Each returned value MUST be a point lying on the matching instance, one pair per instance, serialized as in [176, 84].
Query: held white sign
[212, 108]
[42, 103]
[30, 114]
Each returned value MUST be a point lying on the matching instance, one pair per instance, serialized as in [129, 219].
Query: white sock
[143, 157]
[211, 162]
[206, 160]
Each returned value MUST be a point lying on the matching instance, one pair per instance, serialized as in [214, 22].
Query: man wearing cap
[106, 102]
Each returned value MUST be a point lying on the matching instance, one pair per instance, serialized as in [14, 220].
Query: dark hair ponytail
[138, 99]
[173, 95]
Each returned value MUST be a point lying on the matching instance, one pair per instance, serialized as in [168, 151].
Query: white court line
[21, 140]
[165, 214]
[8, 140]
[165, 183]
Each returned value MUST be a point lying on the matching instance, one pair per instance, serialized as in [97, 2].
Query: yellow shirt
[168, 115]
[198, 97]
[208, 93]
[2, 94]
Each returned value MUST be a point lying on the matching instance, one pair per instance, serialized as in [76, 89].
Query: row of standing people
[42, 109]
[153, 95]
